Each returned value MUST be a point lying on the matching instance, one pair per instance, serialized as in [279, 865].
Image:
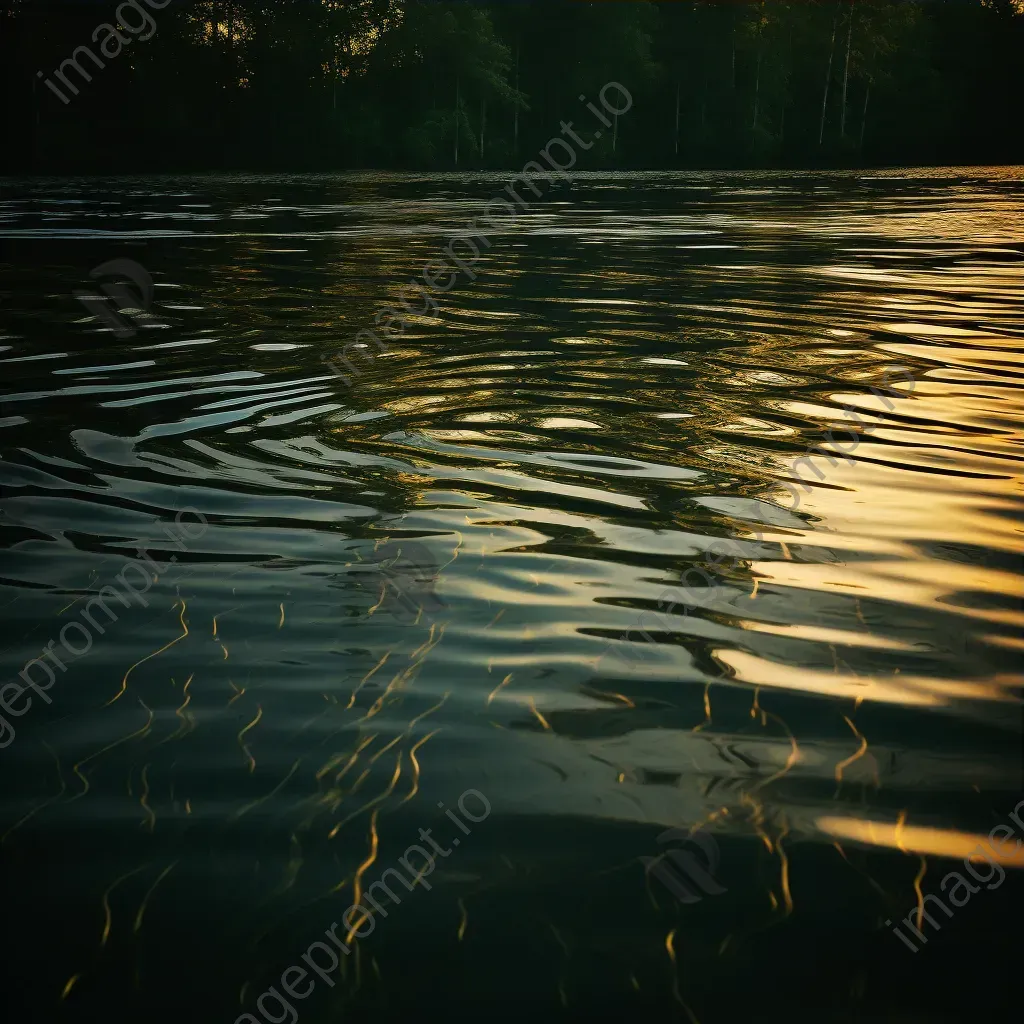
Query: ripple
[701, 482]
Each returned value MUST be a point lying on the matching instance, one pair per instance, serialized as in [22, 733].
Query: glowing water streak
[110, 746]
[380, 798]
[605, 695]
[357, 883]
[124, 681]
[416, 766]
[45, 803]
[351, 761]
[429, 711]
[428, 645]
[785, 867]
[272, 793]
[920, 893]
[794, 755]
[707, 710]
[252, 760]
[853, 757]
[70, 985]
[150, 818]
[540, 718]
[108, 919]
[670, 949]
[145, 899]
[383, 750]
[365, 679]
[498, 688]
[455, 553]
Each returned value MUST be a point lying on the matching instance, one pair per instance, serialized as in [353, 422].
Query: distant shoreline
[887, 170]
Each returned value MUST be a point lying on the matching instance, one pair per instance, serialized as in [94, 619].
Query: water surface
[615, 400]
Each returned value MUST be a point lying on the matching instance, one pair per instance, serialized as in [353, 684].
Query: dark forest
[415, 84]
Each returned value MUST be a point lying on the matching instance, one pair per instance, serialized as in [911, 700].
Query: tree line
[428, 84]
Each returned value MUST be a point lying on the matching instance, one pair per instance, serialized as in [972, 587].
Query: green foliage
[443, 83]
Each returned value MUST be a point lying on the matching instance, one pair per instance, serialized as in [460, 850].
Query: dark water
[450, 575]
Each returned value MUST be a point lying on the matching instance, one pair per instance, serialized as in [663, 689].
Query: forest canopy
[426, 84]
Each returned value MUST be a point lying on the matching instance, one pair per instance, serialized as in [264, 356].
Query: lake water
[543, 549]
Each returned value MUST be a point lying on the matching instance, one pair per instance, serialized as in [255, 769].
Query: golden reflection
[545, 724]
[357, 883]
[906, 503]
[419, 718]
[497, 689]
[794, 755]
[46, 803]
[366, 678]
[366, 741]
[784, 861]
[245, 749]
[381, 797]
[145, 899]
[108, 919]
[902, 688]
[70, 985]
[416, 766]
[150, 819]
[707, 709]
[842, 765]
[920, 839]
[757, 819]
[124, 681]
[269, 796]
[138, 734]
[918, 891]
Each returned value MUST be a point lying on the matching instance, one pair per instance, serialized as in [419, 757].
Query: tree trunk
[828, 76]
[785, 88]
[340, 66]
[483, 125]
[757, 88]
[515, 115]
[677, 118]
[864, 115]
[846, 70]
[458, 103]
